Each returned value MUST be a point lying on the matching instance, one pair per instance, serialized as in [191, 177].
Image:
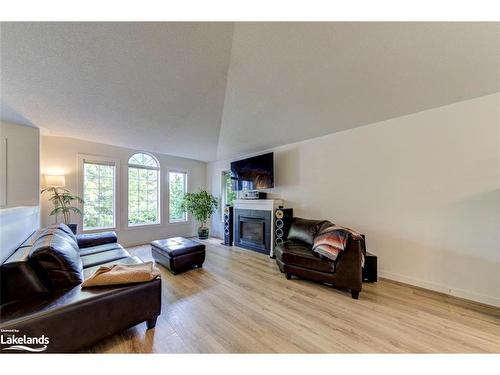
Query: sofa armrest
[18, 281]
[94, 239]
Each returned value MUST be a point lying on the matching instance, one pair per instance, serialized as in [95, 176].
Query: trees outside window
[177, 190]
[228, 194]
[98, 195]
[143, 190]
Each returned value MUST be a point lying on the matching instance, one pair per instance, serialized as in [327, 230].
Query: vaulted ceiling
[215, 90]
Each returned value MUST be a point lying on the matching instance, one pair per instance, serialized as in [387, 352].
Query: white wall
[20, 215]
[23, 160]
[424, 188]
[60, 156]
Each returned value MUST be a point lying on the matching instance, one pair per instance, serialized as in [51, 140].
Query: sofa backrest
[55, 258]
[304, 230]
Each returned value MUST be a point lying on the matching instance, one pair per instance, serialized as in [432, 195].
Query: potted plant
[201, 205]
[63, 204]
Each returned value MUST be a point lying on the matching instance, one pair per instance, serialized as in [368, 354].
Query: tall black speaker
[370, 268]
[282, 221]
[228, 225]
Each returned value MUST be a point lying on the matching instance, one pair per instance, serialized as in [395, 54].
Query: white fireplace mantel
[258, 204]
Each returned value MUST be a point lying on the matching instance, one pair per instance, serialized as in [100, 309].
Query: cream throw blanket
[122, 274]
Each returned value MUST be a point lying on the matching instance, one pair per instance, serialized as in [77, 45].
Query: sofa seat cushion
[104, 257]
[99, 249]
[300, 254]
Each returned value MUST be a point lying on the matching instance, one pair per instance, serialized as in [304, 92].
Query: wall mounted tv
[254, 173]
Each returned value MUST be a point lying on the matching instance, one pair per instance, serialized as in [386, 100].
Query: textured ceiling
[215, 90]
[152, 86]
[293, 81]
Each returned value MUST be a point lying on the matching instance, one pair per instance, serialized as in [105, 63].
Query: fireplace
[252, 230]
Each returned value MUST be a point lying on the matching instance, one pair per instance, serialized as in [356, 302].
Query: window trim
[158, 187]
[98, 159]
[188, 217]
[223, 192]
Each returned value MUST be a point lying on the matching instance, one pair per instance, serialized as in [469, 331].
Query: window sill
[97, 230]
[180, 222]
[143, 226]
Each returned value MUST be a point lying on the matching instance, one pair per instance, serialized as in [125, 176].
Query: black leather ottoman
[178, 253]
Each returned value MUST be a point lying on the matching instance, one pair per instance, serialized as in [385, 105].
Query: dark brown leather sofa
[296, 258]
[41, 292]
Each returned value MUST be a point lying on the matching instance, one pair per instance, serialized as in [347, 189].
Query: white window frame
[97, 159]
[223, 193]
[186, 184]
[158, 203]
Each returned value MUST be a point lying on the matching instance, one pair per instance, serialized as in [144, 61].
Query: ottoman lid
[176, 246]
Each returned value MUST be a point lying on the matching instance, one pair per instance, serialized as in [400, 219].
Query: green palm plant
[63, 202]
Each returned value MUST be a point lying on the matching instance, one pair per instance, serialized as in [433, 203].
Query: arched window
[143, 190]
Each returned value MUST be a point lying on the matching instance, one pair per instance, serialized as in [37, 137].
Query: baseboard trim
[460, 293]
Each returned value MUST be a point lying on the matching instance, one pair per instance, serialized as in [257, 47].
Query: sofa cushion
[300, 254]
[103, 257]
[99, 248]
[68, 231]
[95, 239]
[54, 257]
[304, 230]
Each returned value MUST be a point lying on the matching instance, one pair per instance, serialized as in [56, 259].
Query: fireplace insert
[252, 230]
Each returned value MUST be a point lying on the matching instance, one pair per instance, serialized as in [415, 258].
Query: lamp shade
[55, 181]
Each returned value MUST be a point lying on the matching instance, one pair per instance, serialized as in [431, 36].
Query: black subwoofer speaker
[370, 268]
[228, 225]
[282, 221]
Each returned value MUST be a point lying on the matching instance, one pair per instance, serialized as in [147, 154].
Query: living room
[250, 187]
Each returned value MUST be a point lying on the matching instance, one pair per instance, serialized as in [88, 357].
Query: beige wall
[60, 156]
[424, 188]
[23, 160]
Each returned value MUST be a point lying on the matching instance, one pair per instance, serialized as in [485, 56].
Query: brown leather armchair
[296, 258]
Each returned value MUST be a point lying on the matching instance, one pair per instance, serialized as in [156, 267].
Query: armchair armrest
[348, 268]
[94, 239]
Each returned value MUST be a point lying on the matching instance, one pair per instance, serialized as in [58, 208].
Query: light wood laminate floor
[239, 302]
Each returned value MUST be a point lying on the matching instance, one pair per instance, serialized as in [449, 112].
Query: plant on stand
[63, 204]
[202, 206]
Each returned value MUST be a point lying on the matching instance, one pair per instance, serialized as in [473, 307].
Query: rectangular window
[98, 195]
[177, 190]
[228, 194]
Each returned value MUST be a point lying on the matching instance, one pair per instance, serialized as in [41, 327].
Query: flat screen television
[255, 173]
